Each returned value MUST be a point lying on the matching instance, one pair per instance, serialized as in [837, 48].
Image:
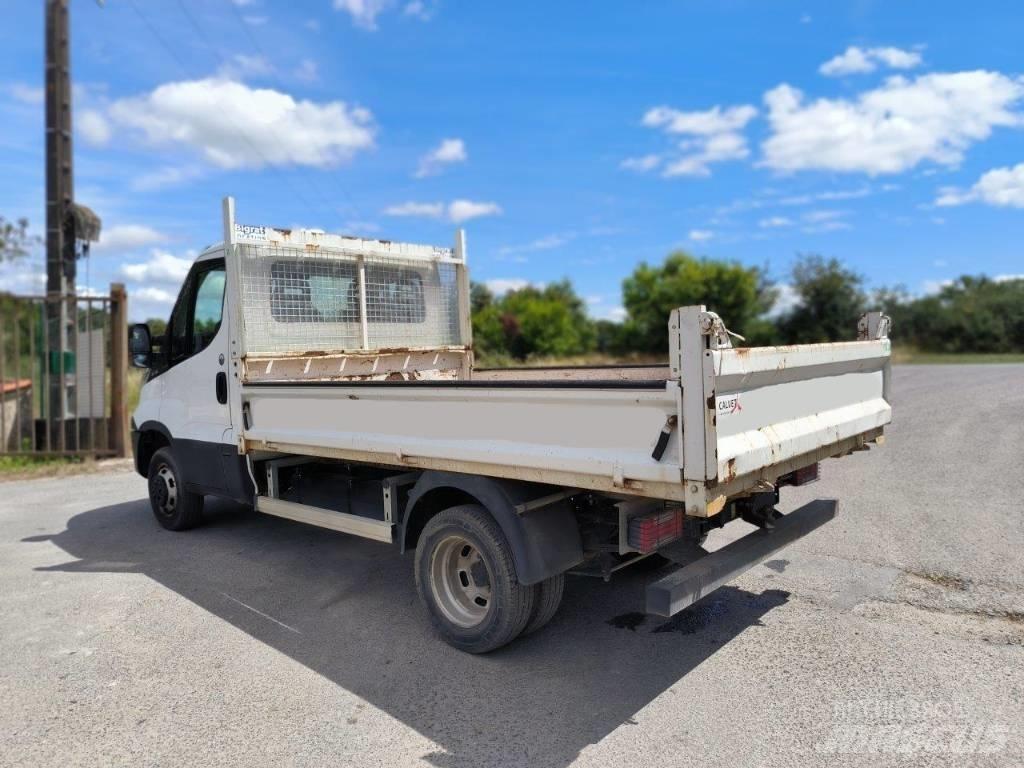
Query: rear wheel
[546, 601]
[466, 578]
[174, 508]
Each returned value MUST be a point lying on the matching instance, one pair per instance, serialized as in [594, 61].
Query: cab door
[194, 407]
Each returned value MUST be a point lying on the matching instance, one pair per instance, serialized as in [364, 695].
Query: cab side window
[197, 314]
[209, 307]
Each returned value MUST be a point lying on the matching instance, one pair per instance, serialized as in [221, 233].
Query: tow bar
[684, 587]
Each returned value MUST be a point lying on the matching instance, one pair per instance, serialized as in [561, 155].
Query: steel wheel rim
[460, 581]
[165, 487]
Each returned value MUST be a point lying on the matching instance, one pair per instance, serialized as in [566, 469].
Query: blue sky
[570, 141]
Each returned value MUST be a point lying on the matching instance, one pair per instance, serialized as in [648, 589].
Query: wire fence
[60, 396]
[295, 302]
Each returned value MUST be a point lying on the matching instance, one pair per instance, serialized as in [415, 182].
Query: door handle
[222, 388]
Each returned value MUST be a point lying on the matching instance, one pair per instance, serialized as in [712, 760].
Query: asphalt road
[893, 636]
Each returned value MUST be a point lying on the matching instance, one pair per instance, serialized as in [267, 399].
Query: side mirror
[140, 345]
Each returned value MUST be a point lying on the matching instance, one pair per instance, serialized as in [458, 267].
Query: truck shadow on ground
[347, 609]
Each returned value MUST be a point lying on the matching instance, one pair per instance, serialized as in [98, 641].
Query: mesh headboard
[297, 300]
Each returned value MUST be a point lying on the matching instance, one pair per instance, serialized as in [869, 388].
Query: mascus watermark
[911, 726]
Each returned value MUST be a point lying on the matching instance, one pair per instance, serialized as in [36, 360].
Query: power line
[241, 131]
[255, 43]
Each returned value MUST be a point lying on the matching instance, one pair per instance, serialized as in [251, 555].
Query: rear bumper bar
[684, 587]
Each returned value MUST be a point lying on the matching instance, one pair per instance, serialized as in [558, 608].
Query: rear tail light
[802, 476]
[649, 532]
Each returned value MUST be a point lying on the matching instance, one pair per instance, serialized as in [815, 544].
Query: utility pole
[67, 224]
[59, 194]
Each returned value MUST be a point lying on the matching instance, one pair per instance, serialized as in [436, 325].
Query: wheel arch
[152, 436]
[544, 541]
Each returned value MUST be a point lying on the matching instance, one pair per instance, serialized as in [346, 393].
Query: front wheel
[466, 578]
[174, 508]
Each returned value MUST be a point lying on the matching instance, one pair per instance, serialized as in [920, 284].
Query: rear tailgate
[753, 414]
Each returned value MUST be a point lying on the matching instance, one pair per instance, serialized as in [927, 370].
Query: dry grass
[910, 356]
[30, 468]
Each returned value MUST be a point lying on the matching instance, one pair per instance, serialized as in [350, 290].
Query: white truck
[330, 380]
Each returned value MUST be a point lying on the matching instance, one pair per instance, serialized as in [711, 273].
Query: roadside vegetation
[973, 319]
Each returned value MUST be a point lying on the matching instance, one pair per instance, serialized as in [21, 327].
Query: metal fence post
[118, 368]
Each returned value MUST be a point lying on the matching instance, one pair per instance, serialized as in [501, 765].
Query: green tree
[831, 300]
[740, 295]
[531, 322]
[157, 326]
[972, 314]
[480, 297]
[15, 239]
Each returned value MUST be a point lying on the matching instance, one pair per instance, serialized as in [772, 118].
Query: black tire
[545, 603]
[459, 550]
[173, 507]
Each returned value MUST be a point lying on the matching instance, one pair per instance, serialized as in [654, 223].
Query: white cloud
[775, 222]
[364, 13]
[897, 58]
[27, 94]
[93, 127]
[307, 71]
[546, 243]
[161, 267]
[1008, 278]
[618, 314]
[931, 287]
[423, 210]
[786, 300]
[418, 9]
[707, 123]
[700, 235]
[643, 163]
[22, 276]
[819, 216]
[168, 176]
[240, 66]
[502, 285]
[856, 60]
[824, 221]
[449, 151]
[829, 194]
[242, 3]
[727, 146]
[146, 302]
[1001, 187]
[464, 210]
[457, 211]
[235, 126]
[708, 137]
[891, 128]
[126, 237]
